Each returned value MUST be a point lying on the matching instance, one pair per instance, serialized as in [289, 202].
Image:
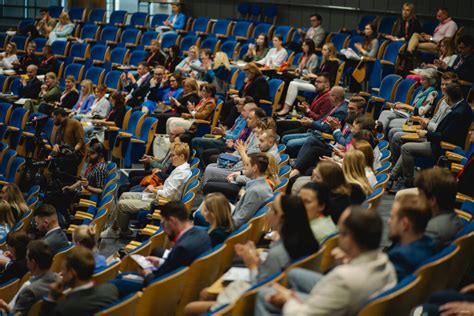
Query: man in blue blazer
[407, 224]
[453, 129]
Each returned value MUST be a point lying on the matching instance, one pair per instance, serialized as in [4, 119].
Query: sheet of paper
[237, 273]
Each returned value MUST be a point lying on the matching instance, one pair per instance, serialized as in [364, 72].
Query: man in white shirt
[365, 271]
[429, 43]
[171, 190]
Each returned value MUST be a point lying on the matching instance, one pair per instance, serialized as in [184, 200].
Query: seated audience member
[364, 272]
[320, 106]
[13, 195]
[184, 67]
[224, 138]
[86, 98]
[173, 59]
[408, 24]
[446, 54]
[256, 86]
[48, 62]
[366, 148]
[85, 297]
[257, 51]
[67, 99]
[204, 72]
[21, 65]
[354, 165]
[49, 94]
[329, 64]
[423, 103]
[46, 220]
[189, 243]
[464, 63]
[439, 187]
[44, 26]
[115, 117]
[429, 42]
[294, 141]
[407, 223]
[316, 32]
[453, 128]
[155, 57]
[175, 21]
[85, 236]
[30, 87]
[62, 30]
[7, 221]
[315, 197]
[428, 124]
[39, 258]
[173, 91]
[100, 106]
[276, 56]
[200, 111]
[17, 243]
[8, 57]
[293, 239]
[137, 88]
[341, 193]
[448, 302]
[158, 85]
[132, 202]
[216, 211]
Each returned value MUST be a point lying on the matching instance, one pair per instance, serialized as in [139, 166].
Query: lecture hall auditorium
[202, 157]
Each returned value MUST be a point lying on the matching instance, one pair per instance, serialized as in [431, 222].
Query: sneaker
[110, 233]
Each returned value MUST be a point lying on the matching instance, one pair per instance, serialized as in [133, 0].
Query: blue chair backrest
[130, 36]
[387, 85]
[283, 30]
[429, 27]
[98, 52]
[355, 39]
[109, 33]
[338, 40]
[405, 282]
[59, 47]
[76, 14]
[209, 43]
[283, 170]
[4, 108]
[74, 70]
[24, 23]
[375, 193]
[138, 19]
[117, 16]
[364, 20]
[96, 15]
[146, 128]
[95, 74]
[118, 54]
[54, 11]
[228, 48]
[20, 41]
[136, 57]
[403, 89]
[374, 74]
[241, 28]
[112, 79]
[168, 39]
[187, 42]
[148, 36]
[386, 24]
[15, 86]
[296, 59]
[255, 9]
[89, 31]
[243, 50]
[273, 85]
[221, 26]
[381, 177]
[132, 123]
[384, 166]
[200, 24]
[78, 50]
[270, 11]
[3, 80]
[16, 163]
[243, 8]
[392, 50]
[262, 28]
[16, 119]
[239, 83]
[158, 19]
[9, 154]
[40, 43]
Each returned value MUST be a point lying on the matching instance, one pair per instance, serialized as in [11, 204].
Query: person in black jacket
[189, 243]
[256, 86]
[173, 58]
[30, 88]
[17, 243]
[408, 24]
[155, 57]
[452, 129]
[48, 62]
[70, 95]
[29, 58]
[137, 88]
[85, 297]
[464, 64]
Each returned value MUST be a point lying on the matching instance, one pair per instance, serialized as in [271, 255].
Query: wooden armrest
[266, 102]
[71, 229]
[186, 115]
[410, 128]
[377, 99]
[110, 42]
[201, 33]
[79, 59]
[135, 243]
[221, 36]
[13, 128]
[90, 40]
[113, 128]
[138, 141]
[456, 167]
[386, 62]
[460, 197]
[124, 135]
[410, 137]
[202, 122]
[241, 38]
[130, 247]
[368, 59]
[83, 216]
[119, 24]
[156, 215]
[163, 200]
[390, 104]
[28, 134]
[463, 214]
[232, 91]
[453, 156]
[130, 45]
[327, 136]
[72, 38]
[465, 83]
[364, 94]
[98, 62]
[447, 146]
[115, 65]
[3, 182]
[217, 287]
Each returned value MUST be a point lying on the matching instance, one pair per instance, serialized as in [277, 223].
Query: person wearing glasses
[464, 64]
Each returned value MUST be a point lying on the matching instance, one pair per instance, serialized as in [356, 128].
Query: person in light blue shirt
[176, 20]
[62, 30]
[84, 236]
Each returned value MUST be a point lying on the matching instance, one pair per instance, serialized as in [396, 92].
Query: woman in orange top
[201, 111]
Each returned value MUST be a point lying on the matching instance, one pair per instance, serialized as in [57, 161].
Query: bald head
[337, 94]
[248, 108]
[31, 71]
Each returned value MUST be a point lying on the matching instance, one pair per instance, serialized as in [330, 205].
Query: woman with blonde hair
[8, 57]
[85, 236]
[6, 219]
[216, 211]
[184, 67]
[353, 165]
[365, 147]
[62, 30]
[50, 93]
[12, 194]
[86, 98]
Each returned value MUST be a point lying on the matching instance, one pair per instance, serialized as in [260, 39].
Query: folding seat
[40, 43]
[229, 47]
[386, 92]
[15, 127]
[136, 57]
[75, 70]
[340, 40]
[285, 31]
[168, 39]
[118, 56]
[112, 80]
[139, 20]
[14, 86]
[98, 54]
[109, 35]
[242, 30]
[211, 43]
[54, 11]
[118, 17]
[275, 91]
[6, 161]
[364, 20]
[270, 13]
[89, 32]
[387, 25]
[355, 39]
[96, 75]
[13, 174]
[186, 42]
[146, 39]
[79, 53]
[222, 28]
[373, 200]
[129, 38]
[244, 9]
[77, 14]
[97, 16]
[20, 42]
[3, 40]
[60, 48]
[255, 11]
[24, 23]
[200, 26]
[157, 20]
[263, 28]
